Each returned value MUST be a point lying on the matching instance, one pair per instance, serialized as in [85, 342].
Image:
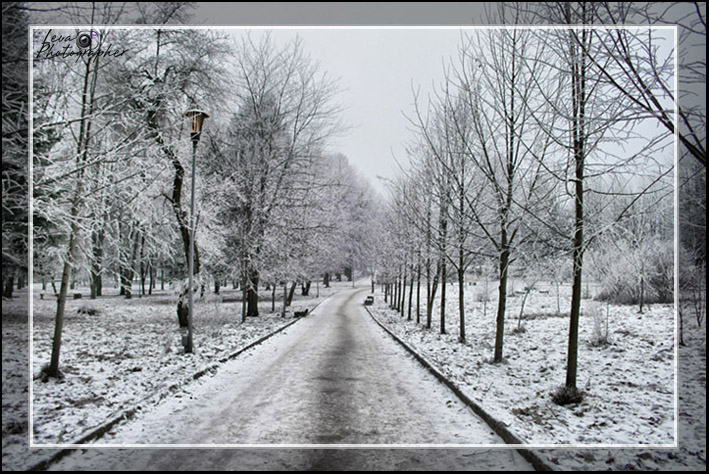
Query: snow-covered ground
[132, 350]
[129, 352]
[629, 383]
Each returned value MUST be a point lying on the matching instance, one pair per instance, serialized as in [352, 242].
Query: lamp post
[196, 117]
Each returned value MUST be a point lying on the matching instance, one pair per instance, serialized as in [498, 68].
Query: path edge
[505, 433]
[129, 413]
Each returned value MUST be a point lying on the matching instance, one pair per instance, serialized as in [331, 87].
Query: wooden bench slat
[74, 295]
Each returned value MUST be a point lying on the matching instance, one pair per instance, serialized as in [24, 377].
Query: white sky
[377, 69]
[377, 66]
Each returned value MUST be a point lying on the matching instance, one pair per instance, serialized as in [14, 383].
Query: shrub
[619, 270]
[567, 395]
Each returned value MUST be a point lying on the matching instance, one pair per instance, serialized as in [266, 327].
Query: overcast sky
[377, 67]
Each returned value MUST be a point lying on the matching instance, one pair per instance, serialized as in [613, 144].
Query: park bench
[300, 314]
[73, 295]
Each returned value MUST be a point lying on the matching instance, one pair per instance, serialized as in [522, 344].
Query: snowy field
[628, 380]
[129, 354]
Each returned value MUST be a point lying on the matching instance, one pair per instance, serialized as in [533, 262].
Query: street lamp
[196, 117]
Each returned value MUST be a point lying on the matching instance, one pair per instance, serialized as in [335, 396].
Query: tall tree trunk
[461, 250]
[142, 264]
[395, 292]
[578, 78]
[84, 138]
[576, 289]
[429, 297]
[411, 294]
[291, 293]
[461, 300]
[434, 289]
[82, 153]
[124, 281]
[558, 297]
[244, 293]
[130, 268]
[9, 284]
[443, 226]
[96, 284]
[501, 300]
[418, 289]
[53, 370]
[443, 286]
[443, 296]
[180, 214]
[151, 272]
[252, 293]
[402, 302]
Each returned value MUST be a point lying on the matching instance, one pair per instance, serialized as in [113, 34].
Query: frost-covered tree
[14, 143]
[98, 184]
[634, 261]
[176, 70]
[498, 75]
[604, 152]
[285, 111]
[84, 119]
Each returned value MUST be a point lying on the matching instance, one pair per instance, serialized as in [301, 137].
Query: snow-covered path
[334, 378]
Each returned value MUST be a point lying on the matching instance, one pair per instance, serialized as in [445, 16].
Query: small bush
[567, 396]
[619, 271]
[88, 311]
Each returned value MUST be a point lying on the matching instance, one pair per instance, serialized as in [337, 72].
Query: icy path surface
[334, 378]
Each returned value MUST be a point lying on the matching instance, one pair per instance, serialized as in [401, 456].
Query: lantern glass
[196, 117]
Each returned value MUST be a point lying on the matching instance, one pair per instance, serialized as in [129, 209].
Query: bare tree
[592, 127]
[83, 127]
[285, 112]
[497, 76]
[642, 67]
[14, 143]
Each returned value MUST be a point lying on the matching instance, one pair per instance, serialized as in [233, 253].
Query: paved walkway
[334, 379]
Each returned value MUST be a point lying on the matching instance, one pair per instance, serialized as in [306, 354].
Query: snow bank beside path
[115, 359]
[629, 383]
